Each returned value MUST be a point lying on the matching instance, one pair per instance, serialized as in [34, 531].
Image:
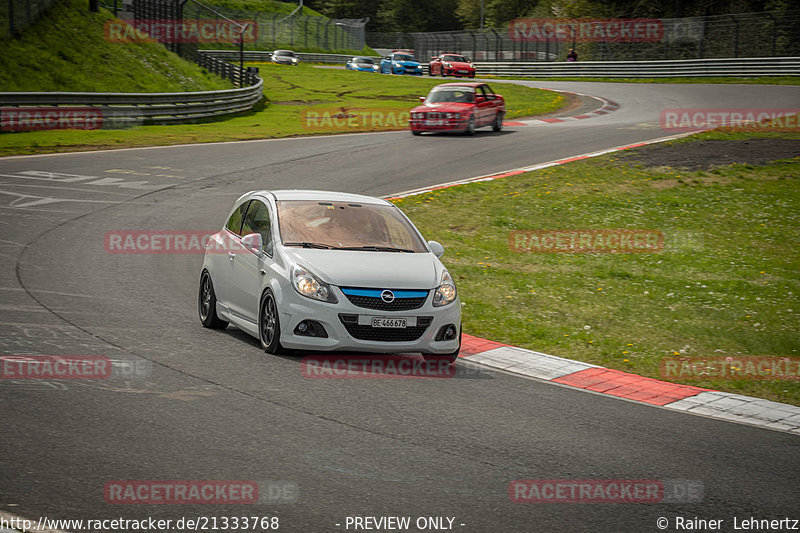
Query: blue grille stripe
[376, 293]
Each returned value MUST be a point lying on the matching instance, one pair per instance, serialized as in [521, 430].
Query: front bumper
[337, 320]
[443, 124]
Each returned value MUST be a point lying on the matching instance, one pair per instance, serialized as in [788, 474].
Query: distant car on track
[362, 64]
[450, 64]
[285, 57]
[458, 107]
[401, 63]
[316, 270]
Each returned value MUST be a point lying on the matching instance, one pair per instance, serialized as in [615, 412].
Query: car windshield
[346, 226]
[363, 60]
[454, 58]
[284, 53]
[464, 95]
[403, 57]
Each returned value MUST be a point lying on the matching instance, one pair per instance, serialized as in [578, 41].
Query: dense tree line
[442, 15]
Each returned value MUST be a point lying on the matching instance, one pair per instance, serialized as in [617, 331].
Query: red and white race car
[451, 64]
[458, 107]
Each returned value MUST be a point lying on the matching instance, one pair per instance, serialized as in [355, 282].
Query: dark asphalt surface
[210, 405]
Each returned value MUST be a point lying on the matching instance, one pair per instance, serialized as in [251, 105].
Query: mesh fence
[16, 15]
[767, 34]
[279, 30]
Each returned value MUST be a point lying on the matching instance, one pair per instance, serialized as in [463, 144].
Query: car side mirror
[436, 248]
[254, 243]
[422, 99]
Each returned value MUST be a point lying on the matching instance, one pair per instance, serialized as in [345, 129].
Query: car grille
[371, 299]
[368, 333]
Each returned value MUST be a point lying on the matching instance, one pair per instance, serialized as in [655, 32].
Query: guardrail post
[735, 36]
[11, 29]
[498, 43]
[774, 31]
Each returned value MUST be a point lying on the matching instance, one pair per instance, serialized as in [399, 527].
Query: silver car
[285, 57]
[316, 270]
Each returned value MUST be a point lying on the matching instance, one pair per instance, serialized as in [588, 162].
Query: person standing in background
[572, 55]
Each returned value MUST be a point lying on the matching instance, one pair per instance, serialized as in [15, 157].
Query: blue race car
[401, 63]
[363, 64]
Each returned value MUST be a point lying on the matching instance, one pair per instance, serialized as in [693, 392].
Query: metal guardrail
[743, 67]
[265, 56]
[125, 109]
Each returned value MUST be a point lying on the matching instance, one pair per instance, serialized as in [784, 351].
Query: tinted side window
[257, 221]
[234, 224]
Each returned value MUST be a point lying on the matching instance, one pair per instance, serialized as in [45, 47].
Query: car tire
[497, 125]
[207, 304]
[415, 132]
[470, 125]
[269, 325]
[443, 72]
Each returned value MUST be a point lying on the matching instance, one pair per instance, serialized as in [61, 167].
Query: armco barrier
[121, 109]
[747, 67]
[261, 55]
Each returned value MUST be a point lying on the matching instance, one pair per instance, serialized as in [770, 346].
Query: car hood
[408, 63]
[446, 107]
[458, 64]
[386, 270]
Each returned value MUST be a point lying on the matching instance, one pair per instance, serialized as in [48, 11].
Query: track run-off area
[196, 404]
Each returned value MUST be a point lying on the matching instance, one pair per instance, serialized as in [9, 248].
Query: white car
[317, 270]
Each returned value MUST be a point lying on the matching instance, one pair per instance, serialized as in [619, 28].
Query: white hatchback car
[316, 270]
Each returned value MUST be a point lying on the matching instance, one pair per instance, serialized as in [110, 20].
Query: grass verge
[725, 284]
[292, 91]
[66, 50]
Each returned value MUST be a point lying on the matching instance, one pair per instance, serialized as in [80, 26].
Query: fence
[767, 34]
[261, 55]
[750, 67]
[293, 30]
[16, 15]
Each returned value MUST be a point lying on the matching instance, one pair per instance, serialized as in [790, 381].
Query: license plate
[388, 322]
[434, 122]
[462, 71]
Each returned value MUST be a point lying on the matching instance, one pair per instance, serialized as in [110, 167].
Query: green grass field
[725, 284]
[292, 91]
[66, 50]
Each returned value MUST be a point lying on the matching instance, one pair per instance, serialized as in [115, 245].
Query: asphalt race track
[209, 405]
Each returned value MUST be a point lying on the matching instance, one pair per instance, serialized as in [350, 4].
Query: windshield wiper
[309, 245]
[377, 249]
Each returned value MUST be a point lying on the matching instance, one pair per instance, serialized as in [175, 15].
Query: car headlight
[311, 286]
[446, 292]
[376, 67]
[294, 60]
[448, 65]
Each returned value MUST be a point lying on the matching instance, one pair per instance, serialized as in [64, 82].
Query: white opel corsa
[317, 270]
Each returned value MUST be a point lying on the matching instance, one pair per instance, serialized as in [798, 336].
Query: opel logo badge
[387, 296]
